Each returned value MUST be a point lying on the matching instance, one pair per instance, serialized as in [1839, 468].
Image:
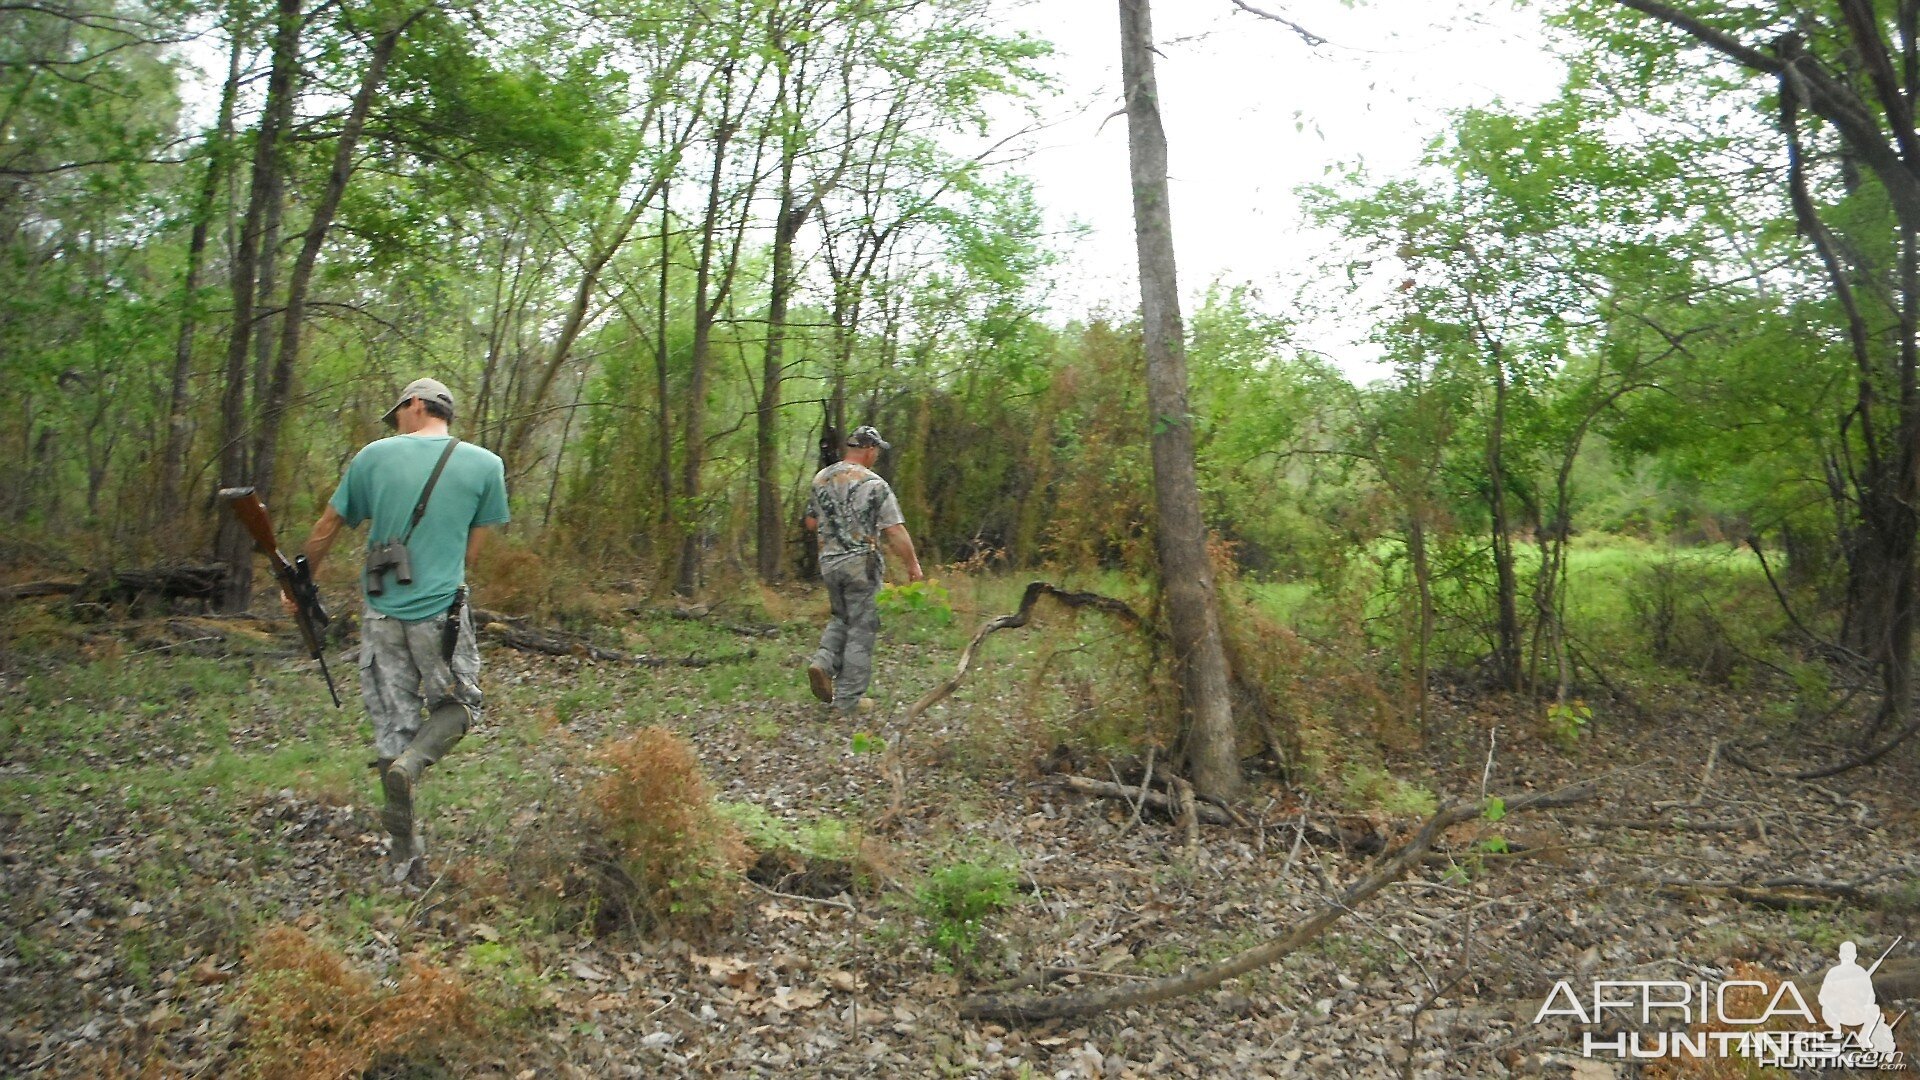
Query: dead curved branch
[1023, 1009]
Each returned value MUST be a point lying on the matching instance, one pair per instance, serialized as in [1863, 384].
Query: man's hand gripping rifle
[296, 577]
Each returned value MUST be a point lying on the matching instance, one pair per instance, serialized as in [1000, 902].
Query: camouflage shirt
[851, 505]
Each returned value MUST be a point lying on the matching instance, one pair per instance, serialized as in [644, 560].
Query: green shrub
[956, 900]
[925, 602]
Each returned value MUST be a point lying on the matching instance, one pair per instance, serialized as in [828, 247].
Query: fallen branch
[28, 589]
[893, 766]
[1107, 789]
[1550, 852]
[1785, 892]
[1035, 590]
[1857, 760]
[1752, 826]
[1205, 977]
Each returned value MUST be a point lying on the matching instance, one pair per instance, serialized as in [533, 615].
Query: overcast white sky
[1233, 87]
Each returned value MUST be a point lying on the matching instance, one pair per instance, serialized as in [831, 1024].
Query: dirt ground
[161, 808]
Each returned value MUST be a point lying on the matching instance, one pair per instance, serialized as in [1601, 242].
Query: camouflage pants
[846, 645]
[404, 675]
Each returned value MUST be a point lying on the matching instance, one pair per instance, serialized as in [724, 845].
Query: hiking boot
[864, 707]
[820, 681]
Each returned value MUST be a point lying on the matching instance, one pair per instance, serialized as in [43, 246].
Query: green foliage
[957, 900]
[925, 601]
[1566, 720]
[1366, 788]
[826, 838]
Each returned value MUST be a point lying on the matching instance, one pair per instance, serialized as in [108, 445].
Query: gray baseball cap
[868, 435]
[426, 389]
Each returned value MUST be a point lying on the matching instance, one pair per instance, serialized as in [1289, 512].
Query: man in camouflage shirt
[853, 512]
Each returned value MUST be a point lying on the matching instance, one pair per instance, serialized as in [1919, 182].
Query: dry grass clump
[310, 1015]
[669, 854]
[1741, 1001]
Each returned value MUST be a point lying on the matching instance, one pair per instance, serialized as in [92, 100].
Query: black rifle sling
[420, 508]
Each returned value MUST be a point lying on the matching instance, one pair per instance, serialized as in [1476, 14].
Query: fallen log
[27, 590]
[151, 589]
[1025, 1009]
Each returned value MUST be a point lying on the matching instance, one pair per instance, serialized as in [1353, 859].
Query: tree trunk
[1506, 647]
[1423, 582]
[663, 465]
[173, 456]
[292, 319]
[232, 546]
[1180, 535]
[768, 535]
[687, 578]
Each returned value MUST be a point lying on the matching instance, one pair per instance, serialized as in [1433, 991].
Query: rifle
[296, 577]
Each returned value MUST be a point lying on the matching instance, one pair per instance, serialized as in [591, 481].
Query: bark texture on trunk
[232, 545]
[273, 404]
[173, 456]
[1179, 534]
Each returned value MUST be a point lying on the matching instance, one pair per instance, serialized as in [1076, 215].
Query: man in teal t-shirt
[406, 665]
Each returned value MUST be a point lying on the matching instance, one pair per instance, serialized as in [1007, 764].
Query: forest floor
[172, 788]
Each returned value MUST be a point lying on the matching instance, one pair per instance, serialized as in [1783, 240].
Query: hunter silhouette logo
[1771, 1026]
[1847, 1001]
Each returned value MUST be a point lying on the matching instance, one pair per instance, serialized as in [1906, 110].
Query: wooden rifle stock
[295, 578]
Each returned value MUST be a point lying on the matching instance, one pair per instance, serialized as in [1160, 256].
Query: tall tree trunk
[293, 318]
[173, 456]
[663, 464]
[1180, 535]
[694, 419]
[769, 536]
[266, 283]
[232, 545]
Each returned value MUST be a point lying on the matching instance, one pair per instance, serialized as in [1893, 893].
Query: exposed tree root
[1195, 979]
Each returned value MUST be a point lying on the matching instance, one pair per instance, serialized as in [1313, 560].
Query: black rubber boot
[444, 727]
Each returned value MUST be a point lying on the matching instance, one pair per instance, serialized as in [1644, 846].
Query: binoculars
[381, 558]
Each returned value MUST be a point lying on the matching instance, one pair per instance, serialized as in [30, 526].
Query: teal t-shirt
[383, 484]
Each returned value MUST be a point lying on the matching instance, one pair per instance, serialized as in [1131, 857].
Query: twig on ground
[1700, 793]
[1146, 783]
[1206, 976]
[824, 901]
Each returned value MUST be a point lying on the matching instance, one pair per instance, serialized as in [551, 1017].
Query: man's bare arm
[476, 539]
[325, 531]
[901, 545]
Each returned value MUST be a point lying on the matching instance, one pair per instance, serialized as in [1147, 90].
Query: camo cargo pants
[404, 675]
[846, 645]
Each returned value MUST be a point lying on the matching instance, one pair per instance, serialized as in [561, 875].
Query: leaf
[1496, 809]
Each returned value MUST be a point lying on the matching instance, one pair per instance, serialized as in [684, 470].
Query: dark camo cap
[424, 389]
[868, 435]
